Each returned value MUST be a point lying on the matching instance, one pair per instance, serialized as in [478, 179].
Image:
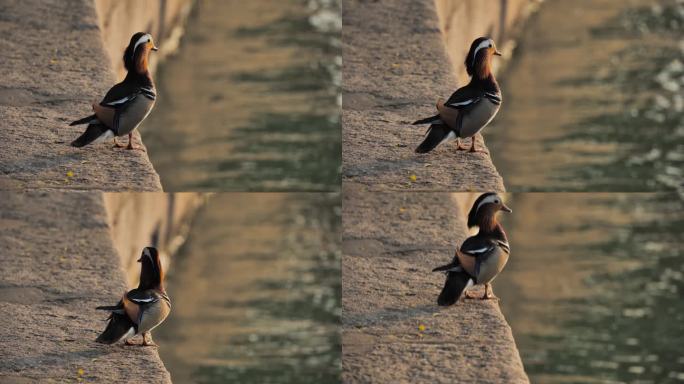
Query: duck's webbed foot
[148, 342]
[116, 144]
[488, 295]
[473, 148]
[460, 147]
[130, 143]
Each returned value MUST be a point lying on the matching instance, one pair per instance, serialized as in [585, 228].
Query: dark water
[594, 99]
[256, 292]
[594, 288]
[252, 99]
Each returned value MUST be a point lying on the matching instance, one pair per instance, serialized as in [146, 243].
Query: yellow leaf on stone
[81, 371]
[421, 327]
[70, 174]
[413, 178]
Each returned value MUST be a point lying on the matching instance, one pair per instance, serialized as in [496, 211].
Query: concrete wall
[137, 220]
[120, 19]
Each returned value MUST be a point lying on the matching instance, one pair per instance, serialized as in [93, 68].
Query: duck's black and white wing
[143, 296]
[480, 248]
[464, 97]
[121, 96]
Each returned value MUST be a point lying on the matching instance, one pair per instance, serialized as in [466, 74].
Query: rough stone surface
[57, 263]
[391, 242]
[395, 68]
[52, 67]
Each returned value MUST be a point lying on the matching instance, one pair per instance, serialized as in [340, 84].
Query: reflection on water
[256, 292]
[252, 99]
[594, 99]
[593, 289]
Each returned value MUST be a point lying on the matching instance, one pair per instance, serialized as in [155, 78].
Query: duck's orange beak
[497, 53]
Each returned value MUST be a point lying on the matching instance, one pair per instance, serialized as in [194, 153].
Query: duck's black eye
[496, 201]
[490, 45]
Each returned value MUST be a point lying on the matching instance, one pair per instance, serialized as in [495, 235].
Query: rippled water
[593, 99]
[256, 292]
[252, 99]
[593, 290]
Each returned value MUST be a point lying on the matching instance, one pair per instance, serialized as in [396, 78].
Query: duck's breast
[492, 265]
[478, 117]
[153, 315]
[134, 114]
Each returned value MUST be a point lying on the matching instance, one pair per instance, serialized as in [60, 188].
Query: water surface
[594, 99]
[252, 99]
[256, 292]
[594, 287]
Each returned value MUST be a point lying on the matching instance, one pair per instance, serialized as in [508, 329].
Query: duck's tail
[457, 281]
[92, 119]
[429, 120]
[93, 134]
[436, 134]
[118, 327]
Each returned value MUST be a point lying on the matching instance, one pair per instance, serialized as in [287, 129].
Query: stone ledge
[58, 263]
[395, 68]
[51, 70]
[391, 242]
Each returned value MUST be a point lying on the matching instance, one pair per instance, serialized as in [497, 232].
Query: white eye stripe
[143, 39]
[487, 200]
[484, 44]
